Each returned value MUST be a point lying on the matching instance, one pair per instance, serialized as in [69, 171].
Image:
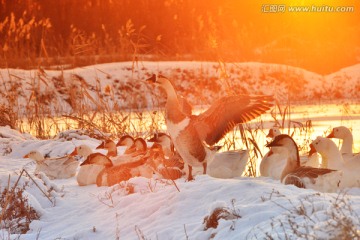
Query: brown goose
[193, 136]
[94, 163]
[141, 166]
[134, 152]
[165, 141]
[320, 179]
[126, 141]
[110, 146]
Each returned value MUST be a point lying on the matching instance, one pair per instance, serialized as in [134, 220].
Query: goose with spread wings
[194, 136]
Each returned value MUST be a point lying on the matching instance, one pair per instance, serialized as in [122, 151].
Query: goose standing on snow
[54, 168]
[193, 136]
[346, 136]
[320, 179]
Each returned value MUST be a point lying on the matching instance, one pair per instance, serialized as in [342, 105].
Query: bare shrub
[16, 214]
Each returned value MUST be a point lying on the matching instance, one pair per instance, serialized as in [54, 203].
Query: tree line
[34, 32]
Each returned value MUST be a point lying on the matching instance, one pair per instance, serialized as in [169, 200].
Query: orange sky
[324, 39]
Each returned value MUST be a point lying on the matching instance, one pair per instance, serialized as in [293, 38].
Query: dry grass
[16, 214]
[311, 217]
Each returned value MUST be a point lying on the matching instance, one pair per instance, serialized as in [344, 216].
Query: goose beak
[153, 139]
[74, 153]
[101, 146]
[152, 79]
[84, 163]
[131, 149]
[216, 148]
[273, 144]
[331, 135]
[312, 150]
[270, 134]
[26, 156]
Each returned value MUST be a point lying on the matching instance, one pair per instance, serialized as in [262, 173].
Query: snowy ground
[253, 208]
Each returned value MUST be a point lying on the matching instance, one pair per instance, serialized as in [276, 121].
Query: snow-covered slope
[121, 85]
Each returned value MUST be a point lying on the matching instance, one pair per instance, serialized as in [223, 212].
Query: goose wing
[295, 178]
[225, 113]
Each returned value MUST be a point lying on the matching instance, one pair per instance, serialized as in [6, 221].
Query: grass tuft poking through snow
[311, 216]
[220, 211]
[16, 212]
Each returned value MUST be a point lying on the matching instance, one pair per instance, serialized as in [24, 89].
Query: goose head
[164, 83]
[324, 146]
[288, 144]
[97, 159]
[138, 146]
[345, 134]
[329, 152]
[110, 146]
[125, 140]
[340, 132]
[82, 150]
[163, 139]
[35, 155]
[273, 132]
[160, 80]
[156, 155]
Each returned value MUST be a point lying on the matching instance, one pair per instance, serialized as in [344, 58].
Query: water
[322, 117]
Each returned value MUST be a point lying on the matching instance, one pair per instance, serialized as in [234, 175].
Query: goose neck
[347, 143]
[292, 163]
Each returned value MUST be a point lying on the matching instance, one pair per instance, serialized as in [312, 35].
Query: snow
[144, 208]
[155, 209]
[119, 85]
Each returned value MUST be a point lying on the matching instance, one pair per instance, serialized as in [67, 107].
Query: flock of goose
[190, 143]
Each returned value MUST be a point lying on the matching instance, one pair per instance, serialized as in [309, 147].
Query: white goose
[54, 168]
[228, 164]
[333, 158]
[88, 172]
[192, 135]
[346, 136]
[320, 179]
[330, 154]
